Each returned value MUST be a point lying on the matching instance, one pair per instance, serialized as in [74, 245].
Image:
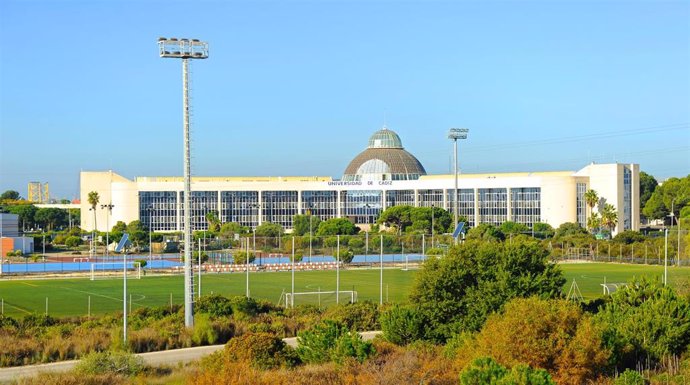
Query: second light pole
[454, 134]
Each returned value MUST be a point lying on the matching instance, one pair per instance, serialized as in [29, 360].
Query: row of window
[159, 209]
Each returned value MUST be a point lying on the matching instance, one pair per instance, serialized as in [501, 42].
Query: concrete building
[383, 175]
[10, 239]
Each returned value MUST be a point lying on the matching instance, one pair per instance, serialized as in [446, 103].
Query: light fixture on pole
[454, 134]
[109, 208]
[311, 207]
[185, 49]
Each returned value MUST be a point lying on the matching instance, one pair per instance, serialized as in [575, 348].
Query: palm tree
[593, 222]
[609, 217]
[93, 200]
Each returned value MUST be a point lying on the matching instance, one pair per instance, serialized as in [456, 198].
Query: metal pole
[150, 248]
[337, 271]
[678, 222]
[432, 225]
[455, 208]
[188, 276]
[665, 257]
[199, 295]
[292, 291]
[46, 306]
[381, 273]
[310, 236]
[366, 245]
[124, 296]
[246, 261]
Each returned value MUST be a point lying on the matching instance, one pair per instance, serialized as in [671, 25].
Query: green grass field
[70, 297]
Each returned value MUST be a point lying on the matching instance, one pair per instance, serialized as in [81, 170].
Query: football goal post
[109, 270]
[319, 298]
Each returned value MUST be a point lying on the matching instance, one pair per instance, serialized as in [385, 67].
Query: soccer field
[70, 297]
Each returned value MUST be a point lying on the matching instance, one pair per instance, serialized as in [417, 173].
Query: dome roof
[385, 138]
[384, 159]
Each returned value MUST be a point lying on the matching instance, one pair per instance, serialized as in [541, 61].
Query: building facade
[382, 176]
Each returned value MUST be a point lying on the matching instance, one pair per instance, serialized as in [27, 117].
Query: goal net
[110, 270]
[318, 298]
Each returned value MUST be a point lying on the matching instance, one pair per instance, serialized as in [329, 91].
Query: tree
[486, 232]
[551, 334]
[331, 341]
[93, 199]
[50, 218]
[337, 226]
[229, 229]
[569, 229]
[673, 192]
[591, 198]
[26, 214]
[402, 325]
[593, 223]
[213, 221]
[645, 322]
[513, 228]
[486, 371]
[543, 230]
[240, 257]
[269, 229]
[457, 292]
[10, 195]
[609, 217]
[301, 224]
[647, 186]
[397, 217]
[138, 233]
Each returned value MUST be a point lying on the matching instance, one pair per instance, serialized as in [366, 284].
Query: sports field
[70, 297]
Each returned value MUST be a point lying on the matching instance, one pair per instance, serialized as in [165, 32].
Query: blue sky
[296, 88]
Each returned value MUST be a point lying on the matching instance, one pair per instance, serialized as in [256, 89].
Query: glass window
[279, 207]
[361, 206]
[158, 210]
[323, 204]
[493, 205]
[241, 207]
[525, 205]
[466, 204]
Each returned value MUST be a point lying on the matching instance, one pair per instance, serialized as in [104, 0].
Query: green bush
[204, 333]
[359, 316]
[332, 341]
[122, 363]
[215, 305]
[402, 325]
[486, 371]
[72, 241]
[630, 377]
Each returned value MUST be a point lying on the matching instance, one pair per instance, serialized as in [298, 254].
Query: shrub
[332, 341]
[550, 334]
[215, 305]
[122, 363]
[402, 325]
[261, 350]
[456, 293]
[486, 371]
[630, 377]
[360, 316]
[72, 241]
[645, 322]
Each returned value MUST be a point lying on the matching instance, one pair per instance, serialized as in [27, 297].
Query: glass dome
[384, 159]
[385, 138]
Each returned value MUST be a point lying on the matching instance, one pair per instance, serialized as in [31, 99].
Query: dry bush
[70, 378]
[554, 335]
[16, 351]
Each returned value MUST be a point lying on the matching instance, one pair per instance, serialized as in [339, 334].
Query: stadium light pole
[454, 134]
[185, 49]
[150, 210]
[109, 208]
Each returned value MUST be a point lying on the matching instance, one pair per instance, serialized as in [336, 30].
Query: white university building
[381, 176]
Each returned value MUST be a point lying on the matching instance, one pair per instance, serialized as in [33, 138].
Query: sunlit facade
[371, 183]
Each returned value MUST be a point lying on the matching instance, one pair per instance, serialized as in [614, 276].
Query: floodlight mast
[454, 134]
[185, 49]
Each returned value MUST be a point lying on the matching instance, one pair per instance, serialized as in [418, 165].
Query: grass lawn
[69, 297]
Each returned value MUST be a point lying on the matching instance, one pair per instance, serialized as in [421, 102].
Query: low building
[383, 175]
